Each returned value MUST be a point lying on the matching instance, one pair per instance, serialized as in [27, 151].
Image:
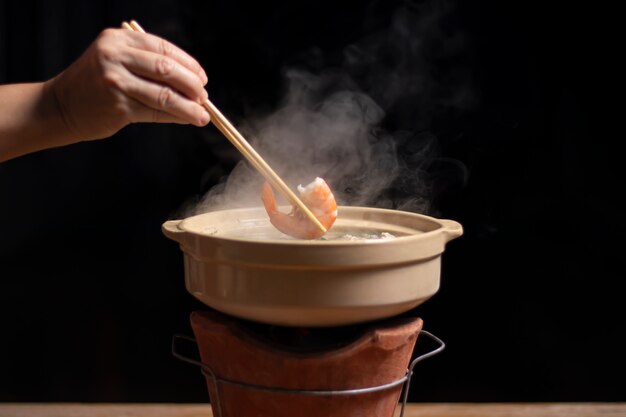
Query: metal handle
[182, 357]
[205, 369]
[420, 358]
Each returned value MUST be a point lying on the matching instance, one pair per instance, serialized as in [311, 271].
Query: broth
[358, 235]
[336, 234]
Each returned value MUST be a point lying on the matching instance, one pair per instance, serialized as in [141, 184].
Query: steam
[332, 137]
[337, 124]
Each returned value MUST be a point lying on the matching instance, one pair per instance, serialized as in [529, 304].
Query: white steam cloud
[307, 137]
[329, 122]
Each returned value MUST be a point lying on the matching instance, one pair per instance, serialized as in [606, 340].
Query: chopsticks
[246, 149]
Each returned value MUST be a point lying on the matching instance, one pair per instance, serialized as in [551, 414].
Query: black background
[531, 304]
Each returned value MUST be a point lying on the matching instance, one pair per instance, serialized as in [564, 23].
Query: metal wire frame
[217, 381]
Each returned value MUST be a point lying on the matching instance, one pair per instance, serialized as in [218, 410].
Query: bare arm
[30, 120]
[123, 77]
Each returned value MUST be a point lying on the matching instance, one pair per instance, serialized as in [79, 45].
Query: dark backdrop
[530, 304]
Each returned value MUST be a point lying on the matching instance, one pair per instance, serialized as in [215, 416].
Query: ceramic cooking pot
[238, 263]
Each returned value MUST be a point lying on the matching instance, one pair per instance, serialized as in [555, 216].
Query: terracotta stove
[259, 370]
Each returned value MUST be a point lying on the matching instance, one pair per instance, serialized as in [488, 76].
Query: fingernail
[204, 78]
[205, 118]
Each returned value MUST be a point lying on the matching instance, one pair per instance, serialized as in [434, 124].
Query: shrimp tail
[287, 224]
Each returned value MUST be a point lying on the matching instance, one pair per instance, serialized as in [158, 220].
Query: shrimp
[317, 196]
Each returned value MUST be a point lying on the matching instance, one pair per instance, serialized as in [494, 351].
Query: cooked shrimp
[317, 196]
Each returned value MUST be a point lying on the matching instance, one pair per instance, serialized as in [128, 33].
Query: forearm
[30, 120]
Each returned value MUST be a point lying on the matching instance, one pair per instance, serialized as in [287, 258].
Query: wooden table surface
[413, 410]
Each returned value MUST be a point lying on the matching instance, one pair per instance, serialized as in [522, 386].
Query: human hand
[127, 77]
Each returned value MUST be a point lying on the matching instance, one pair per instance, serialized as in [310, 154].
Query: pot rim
[449, 228]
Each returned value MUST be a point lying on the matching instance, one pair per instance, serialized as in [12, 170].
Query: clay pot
[237, 262]
[372, 355]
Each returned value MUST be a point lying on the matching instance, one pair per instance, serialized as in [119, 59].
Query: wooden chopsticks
[246, 149]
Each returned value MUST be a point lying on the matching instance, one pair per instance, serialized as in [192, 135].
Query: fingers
[164, 103]
[177, 75]
[165, 70]
[160, 46]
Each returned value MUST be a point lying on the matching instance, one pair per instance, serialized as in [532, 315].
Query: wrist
[54, 115]
[31, 120]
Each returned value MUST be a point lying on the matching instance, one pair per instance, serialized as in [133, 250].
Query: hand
[127, 77]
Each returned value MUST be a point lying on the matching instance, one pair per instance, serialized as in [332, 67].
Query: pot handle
[171, 230]
[451, 229]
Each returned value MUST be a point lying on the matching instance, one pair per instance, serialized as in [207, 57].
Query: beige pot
[237, 263]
